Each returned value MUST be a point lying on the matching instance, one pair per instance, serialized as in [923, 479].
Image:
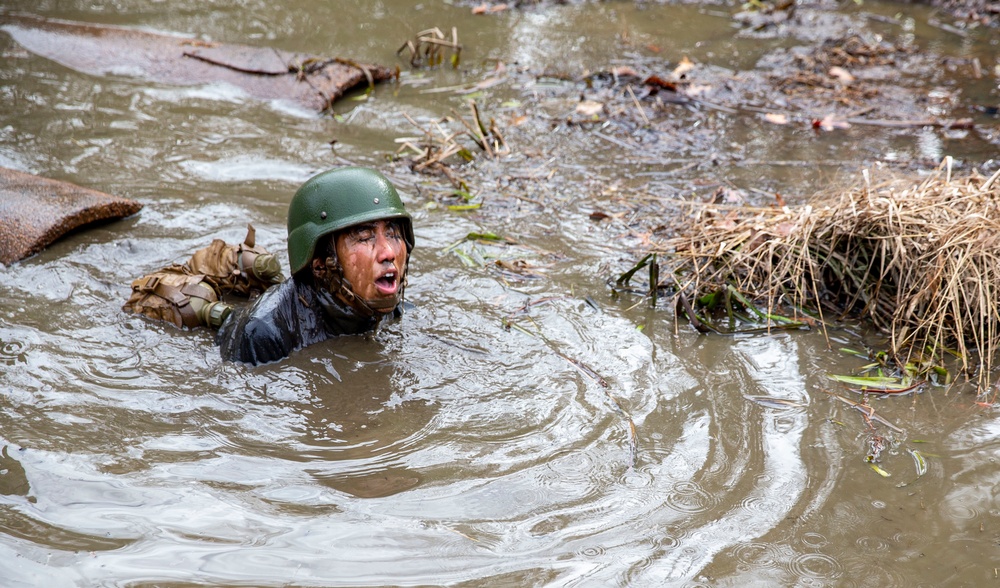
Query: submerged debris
[428, 48]
[849, 71]
[972, 12]
[510, 260]
[431, 152]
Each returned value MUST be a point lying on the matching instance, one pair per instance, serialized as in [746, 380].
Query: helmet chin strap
[341, 286]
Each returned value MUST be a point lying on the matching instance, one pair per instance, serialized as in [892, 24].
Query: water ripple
[754, 554]
[689, 498]
[817, 566]
[814, 540]
[872, 544]
[770, 363]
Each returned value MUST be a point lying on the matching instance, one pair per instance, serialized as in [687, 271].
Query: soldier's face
[373, 256]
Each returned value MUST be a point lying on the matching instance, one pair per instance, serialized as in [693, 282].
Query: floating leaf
[486, 8]
[466, 258]
[683, 67]
[463, 207]
[484, 237]
[695, 90]
[886, 383]
[589, 108]
[659, 82]
[830, 122]
[919, 461]
[842, 75]
[774, 401]
[880, 471]
[623, 71]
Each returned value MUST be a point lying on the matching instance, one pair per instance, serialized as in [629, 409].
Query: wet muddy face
[373, 258]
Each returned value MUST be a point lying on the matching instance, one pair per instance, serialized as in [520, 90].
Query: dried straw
[920, 260]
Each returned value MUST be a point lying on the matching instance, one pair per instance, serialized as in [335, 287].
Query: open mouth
[387, 284]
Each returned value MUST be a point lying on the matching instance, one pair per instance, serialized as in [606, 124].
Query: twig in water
[867, 411]
[633, 436]
[638, 106]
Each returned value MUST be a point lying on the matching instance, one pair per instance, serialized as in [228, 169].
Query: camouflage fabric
[185, 294]
[171, 295]
[244, 269]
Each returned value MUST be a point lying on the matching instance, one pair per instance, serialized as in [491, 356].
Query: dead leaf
[624, 71]
[843, 76]
[830, 122]
[486, 8]
[733, 197]
[517, 121]
[683, 67]
[481, 85]
[784, 229]
[774, 118]
[589, 108]
[659, 82]
[515, 265]
[199, 43]
[697, 90]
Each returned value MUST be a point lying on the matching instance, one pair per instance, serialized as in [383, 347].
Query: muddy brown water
[446, 448]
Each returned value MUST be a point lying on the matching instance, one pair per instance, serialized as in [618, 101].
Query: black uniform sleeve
[264, 332]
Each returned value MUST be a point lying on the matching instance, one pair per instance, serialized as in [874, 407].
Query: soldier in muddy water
[349, 242]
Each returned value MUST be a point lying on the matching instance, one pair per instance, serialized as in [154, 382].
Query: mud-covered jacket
[287, 317]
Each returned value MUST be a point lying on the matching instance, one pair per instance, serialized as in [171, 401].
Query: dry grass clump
[921, 260]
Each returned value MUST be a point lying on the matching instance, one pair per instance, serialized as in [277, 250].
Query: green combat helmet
[337, 199]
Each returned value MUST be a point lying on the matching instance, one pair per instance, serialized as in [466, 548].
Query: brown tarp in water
[35, 211]
[262, 72]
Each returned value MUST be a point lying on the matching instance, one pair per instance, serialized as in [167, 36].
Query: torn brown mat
[35, 211]
[265, 73]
